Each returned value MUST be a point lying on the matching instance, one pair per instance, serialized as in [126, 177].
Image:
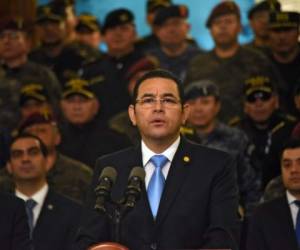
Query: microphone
[135, 181]
[106, 180]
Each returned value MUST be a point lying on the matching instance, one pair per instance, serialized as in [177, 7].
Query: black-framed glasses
[150, 102]
[263, 96]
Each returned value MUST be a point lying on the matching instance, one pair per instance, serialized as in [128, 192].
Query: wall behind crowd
[199, 11]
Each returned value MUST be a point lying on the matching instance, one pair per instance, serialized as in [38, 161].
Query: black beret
[264, 6]
[34, 91]
[117, 17]
[199, 88]
[13, 23]
[223, 8]
[50, 12]
[282, 20]
[153, 5]
[258, 83]
[78, 86]
[166, 13]
[87, 22]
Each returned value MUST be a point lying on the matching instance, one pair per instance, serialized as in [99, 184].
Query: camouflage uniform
[267, 143]
[234, 142]
[230, 74]
[67, 176]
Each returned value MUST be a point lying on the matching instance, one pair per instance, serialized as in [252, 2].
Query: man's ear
[131, 113]
[186, 112]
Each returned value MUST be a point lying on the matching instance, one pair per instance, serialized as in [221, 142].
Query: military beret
[201, 88]
[264, 6]
[13, 23]
[78, 86]
[34, 91]
[87, 23]
[37, 118]
[166, 13]
[116, 18]
[223, 8]
[282, 20]
[153, 5]
[258, 83]
[52, 12]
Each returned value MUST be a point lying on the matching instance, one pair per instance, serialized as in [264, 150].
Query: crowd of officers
[244, 99]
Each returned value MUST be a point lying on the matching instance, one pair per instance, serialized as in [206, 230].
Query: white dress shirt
[148, 165]
[38, 197]
[293, 207]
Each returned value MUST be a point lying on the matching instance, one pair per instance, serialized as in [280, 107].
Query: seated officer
[204, 128]
[266, 127]
[88, 30]
[85, 136]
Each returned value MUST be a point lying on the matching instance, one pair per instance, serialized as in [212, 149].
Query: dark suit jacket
[271, 227]
[198, 207]
[57, 223]
[14, 230]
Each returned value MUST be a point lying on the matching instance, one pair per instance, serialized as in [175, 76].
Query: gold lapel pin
[186, 159]
[50, 206]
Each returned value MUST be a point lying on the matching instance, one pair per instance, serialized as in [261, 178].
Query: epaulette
[234, 121]
[186, 130]
[291, 118]
[277, 127]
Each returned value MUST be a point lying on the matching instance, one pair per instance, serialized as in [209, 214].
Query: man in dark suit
[52, 218]
[14, 232]
[276, 224]
[198, 206]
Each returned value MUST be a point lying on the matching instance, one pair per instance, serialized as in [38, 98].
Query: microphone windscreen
[109, 172]
[138, 172]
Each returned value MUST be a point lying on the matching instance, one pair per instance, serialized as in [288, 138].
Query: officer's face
[27, 163]
[47, 132]
[120, 39]
[259, 23]
[51, 32]
[79, 110]
[260, 110]
[284, 41]
[225, 29]
[173, 31]
[92, 39]
[158, 121]
[13, 44]
[290, 168]
[203, 111]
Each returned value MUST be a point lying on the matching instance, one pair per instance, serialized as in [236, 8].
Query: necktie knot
[159, 161]
[30, 204]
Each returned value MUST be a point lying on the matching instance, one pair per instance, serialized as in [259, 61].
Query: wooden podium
[108, 246]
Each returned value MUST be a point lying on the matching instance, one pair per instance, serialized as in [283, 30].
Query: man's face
[47, 132]
[290, 168]
[79, 110]
[52, 32]
[27, 163]
[259, 24]
[261, 108]
[92, 39]
[203, 111]
[225, 29]
[173, 31]
[158, 121]
[33, 106]
[284, 41]
[13, 44]
[121, 38]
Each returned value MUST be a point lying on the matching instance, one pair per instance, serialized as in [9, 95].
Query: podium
[108, 246]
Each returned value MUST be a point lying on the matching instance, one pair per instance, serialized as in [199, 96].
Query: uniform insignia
[186, 159]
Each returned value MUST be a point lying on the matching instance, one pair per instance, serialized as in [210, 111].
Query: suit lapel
[174, 182]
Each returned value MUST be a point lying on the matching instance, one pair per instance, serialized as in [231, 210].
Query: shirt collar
[38, 197]
[169, 152]
[291, 198]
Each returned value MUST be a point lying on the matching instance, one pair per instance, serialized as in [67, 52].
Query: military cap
[282, 20]
[37, 118]
[258, 83]
[13, 23]
[50, 12]
[166, 13]
[146, 63]
[264, 6]
[153, 5]
[117, 17]
[223, 8]
[34, 91]
[201, 88]
[87, 23]
[78, 86]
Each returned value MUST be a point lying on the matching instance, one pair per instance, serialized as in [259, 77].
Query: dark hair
[43, 147]
[158, 73]
[291, 143]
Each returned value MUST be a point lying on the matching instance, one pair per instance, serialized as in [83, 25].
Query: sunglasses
[263, 96]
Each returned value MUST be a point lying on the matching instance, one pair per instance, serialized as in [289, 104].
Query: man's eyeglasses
[263, 96]
[150, 102]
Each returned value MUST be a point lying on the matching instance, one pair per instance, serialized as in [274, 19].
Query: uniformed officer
[204, 128]
[265, 125]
